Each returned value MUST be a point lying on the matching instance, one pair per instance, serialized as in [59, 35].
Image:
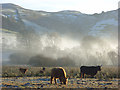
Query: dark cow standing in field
[58, 73]
[43, 68]
[23, 70]
[89, 70]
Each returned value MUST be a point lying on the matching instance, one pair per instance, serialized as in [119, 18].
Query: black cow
[89, 70]
[43, 68]
[23, 70]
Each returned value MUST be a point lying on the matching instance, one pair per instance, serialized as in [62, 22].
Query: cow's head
[65, 80]
[99, 68]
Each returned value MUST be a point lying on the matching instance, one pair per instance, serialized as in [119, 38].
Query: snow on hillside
[72, 15]
[3, 15]
[65, 32]
[10, 13]
[35, 26]
[66, 16]
[8, 10]
[96, 29]
[67, 21]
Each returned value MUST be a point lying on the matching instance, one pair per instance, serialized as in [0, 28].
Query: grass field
[12, 78]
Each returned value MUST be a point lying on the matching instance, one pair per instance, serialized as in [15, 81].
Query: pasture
[13, 78]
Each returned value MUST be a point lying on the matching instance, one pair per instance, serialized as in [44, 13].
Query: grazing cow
[89, 70]
[22, 70]
[58, 73]
[41, 71]
[43, 68]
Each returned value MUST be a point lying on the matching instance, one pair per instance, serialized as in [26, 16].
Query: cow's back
[90, 70]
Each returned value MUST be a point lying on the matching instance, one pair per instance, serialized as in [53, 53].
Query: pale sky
[84, 6]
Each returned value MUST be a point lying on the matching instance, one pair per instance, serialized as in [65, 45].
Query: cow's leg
[92, 76]
[55, 80]
[51, 80]
[81, 74]
[60, 80]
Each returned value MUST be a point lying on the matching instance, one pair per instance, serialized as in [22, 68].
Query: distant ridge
[66, 21]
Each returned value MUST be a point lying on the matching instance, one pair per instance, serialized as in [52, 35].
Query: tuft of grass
[108, 73]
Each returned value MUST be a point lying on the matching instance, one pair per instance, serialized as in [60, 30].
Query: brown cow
[23, 70]
[58, 73]
[41, 71]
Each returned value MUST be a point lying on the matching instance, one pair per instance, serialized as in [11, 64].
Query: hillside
[68, 22]
[67, 35]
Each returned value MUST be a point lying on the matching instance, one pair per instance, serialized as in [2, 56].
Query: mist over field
[61, 50]
[65, 38]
